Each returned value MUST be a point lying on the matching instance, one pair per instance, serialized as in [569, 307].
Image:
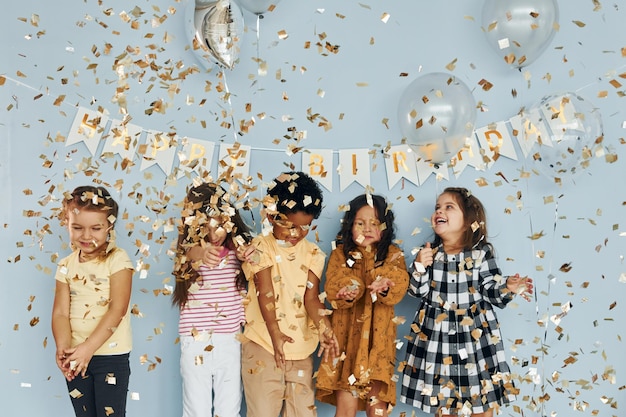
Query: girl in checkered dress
[455, 361]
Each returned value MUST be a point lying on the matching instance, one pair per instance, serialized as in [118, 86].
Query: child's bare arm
[61, 328]
[80, 355]
[329, 347]
[265, 289]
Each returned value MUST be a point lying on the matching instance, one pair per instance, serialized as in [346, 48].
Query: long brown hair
[383, 214]
[91, 198]
[203, 202]
[473, 215]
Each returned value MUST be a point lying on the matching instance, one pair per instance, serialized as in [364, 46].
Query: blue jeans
[103, 390]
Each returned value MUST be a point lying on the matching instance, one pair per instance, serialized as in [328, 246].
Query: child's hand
[329, 346]
[278, 340]
[381, 285]
[213, 255]
[425, 255]
[348, 293]
[76, 360]
[64, 365]
[248, 253]
[522, 286]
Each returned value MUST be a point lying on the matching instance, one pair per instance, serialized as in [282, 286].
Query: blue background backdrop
[56, 55]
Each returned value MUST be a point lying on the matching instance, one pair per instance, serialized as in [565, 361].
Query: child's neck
[452, 247]
[86, 257]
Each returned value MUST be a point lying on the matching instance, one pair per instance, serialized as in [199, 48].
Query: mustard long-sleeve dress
[365, 329]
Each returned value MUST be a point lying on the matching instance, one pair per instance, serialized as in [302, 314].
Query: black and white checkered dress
[455, 357]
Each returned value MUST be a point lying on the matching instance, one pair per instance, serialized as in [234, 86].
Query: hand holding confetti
[522, 286]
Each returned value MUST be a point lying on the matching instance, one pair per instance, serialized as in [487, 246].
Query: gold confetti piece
[579, 23]
[566, 267]
[536, 236]
[467, 321]
[452, 65]
[486, 85]
[476, 333]
[481, 182]
[75, 393]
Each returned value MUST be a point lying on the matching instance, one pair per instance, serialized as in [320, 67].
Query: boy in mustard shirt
[285, 319]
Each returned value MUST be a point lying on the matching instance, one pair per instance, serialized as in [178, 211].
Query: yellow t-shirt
[289, 271]
[89, 295]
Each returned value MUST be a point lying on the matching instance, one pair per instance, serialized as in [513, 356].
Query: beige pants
[270, 390]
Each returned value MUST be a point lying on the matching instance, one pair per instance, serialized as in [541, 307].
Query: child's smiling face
[88, 230]
[448, 220]
[215, 231]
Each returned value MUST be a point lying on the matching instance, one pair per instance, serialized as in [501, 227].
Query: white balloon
[520, 30]
[216, 30]
[257, 6]
[437, 113]
[563, 128]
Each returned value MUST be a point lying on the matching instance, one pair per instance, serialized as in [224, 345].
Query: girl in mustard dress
[366, 277]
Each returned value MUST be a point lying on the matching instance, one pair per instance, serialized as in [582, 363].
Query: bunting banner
[193, 156]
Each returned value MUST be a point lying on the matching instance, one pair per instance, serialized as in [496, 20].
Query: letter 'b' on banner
[317, 163]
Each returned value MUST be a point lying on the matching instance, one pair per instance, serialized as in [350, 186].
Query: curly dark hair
[473, 215]
[203, 201]
[295, 191]
[383, 214]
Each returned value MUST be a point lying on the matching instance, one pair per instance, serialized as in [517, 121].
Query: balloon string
[230, 105]
[591, 84]
[258, 43]
[545, 326]
[536, 297]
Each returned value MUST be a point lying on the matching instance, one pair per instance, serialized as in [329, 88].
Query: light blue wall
[65, 55]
